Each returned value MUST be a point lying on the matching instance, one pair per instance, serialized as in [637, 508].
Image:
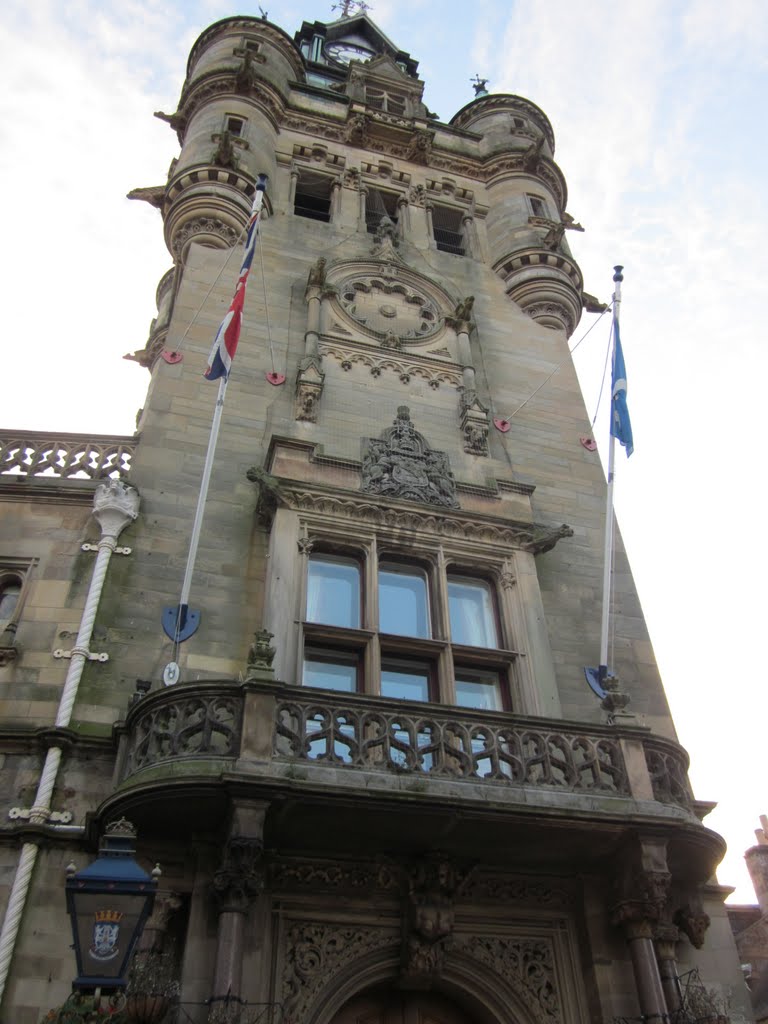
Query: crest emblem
[106, 932]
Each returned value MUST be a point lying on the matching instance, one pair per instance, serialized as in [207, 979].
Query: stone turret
[527, 197]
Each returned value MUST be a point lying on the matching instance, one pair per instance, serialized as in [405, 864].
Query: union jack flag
[225, 343]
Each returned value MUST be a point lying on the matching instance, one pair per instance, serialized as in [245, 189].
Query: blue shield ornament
[105, 936]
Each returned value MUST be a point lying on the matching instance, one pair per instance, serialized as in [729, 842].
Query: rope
[605, 369]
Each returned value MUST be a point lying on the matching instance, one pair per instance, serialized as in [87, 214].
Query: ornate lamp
[108, 903]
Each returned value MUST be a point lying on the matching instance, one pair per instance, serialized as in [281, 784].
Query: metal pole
[207, 469]
[618, 277]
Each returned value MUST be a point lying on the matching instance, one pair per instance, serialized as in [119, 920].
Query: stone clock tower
[381, 788]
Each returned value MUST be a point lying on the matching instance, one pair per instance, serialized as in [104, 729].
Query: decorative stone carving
[668, 769]
[225, 154]
[34, 453]
[447, 745]
[318, 874]
[208, 226]
[357, 129]
[553, 237]
[240, 878]
[693, 923]
[475, 425]
[177, 726]
[503, 889]
[420, 147]
[644, 896]
[309, 389]
[269, 492]
[615, 701]
[536, 538]
[402, 465]
[417, 195]
[115, 504]
[399, 363]
[261, 653]
[532, 155]
[246, 76]
[386, 235]
[317, 274]
[315, 953]
[527, 964]
[351, 178]
[593, 305]
[433, 884]
[462, 314]
[382, 304]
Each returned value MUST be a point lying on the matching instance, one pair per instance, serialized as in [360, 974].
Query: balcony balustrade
[71, 456]
[263, 728]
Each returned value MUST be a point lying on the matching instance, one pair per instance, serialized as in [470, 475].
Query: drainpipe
[115, 505]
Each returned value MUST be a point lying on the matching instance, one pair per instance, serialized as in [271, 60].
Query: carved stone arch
[488, 997]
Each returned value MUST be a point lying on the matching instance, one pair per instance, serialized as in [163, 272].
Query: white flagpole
[618, 277]
[207, 469]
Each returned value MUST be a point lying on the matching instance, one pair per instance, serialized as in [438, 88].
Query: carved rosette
[400, 464]
[240, 878]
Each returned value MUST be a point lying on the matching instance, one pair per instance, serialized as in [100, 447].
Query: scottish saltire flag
[225, 343]
[621, 428]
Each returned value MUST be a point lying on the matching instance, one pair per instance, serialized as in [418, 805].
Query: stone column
[292, 187]
[643, 896]
[236, 883]
[667, 937]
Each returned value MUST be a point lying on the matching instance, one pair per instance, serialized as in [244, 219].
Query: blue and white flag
[621, 428]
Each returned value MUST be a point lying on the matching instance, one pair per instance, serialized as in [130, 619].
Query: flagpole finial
[618, 276]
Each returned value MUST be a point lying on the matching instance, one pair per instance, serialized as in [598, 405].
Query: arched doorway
[388, 1005]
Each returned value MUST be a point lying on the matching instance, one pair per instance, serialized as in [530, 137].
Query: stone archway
[390, 1005]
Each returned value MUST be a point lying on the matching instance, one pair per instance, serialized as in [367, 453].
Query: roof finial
[479, 84]
[347, 7]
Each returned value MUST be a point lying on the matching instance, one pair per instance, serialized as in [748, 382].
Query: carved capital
[115, 505]
[240, 878]
[432, 886]
[644, 898]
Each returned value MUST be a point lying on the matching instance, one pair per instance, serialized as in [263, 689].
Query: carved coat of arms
[400, 464]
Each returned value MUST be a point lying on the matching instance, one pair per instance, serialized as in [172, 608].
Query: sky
[658, 112]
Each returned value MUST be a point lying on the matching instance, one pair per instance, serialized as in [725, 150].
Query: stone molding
[535, 538]
[34, 453]
[503, 101]
[405, 366]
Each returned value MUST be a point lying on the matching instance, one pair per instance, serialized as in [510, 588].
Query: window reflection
[471, 612]
[403, 606]
[333, 592]
[404, 683]
[480, 692]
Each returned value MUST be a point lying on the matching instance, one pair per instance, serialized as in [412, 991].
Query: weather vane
[349, 7]
[479, 84]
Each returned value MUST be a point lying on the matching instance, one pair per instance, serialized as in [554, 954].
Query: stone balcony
[345, 768]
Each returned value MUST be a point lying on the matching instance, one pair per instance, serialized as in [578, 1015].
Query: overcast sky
[658, 112]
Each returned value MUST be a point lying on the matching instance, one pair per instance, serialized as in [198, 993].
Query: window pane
[471, 608]
[330, 675]
[405, 684]
[9, 598]
[403, 603]
[333, 592]
[479, 692]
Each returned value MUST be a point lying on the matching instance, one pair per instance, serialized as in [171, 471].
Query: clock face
[343, 53]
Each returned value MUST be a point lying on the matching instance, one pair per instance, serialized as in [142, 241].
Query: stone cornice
[535, 538]
[218, 82]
